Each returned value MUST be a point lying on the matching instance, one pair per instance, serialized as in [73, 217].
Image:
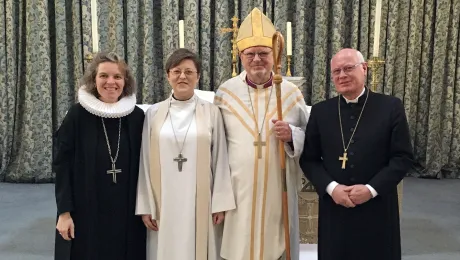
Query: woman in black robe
[97, 165]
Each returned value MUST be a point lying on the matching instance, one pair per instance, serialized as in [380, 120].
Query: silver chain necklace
[180, 159]
[259, 142]
[113, 171]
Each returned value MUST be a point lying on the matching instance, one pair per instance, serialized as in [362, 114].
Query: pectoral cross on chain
[344, 159]
[180, 159]
[114, 172]
[259, 145]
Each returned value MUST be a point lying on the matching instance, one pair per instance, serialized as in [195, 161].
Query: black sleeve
[63, 161]
[311, 160]
[401, 159]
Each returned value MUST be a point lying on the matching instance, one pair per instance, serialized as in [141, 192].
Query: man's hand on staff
[282, 130]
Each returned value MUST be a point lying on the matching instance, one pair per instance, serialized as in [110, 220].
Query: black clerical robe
[103, 212]
[380, 154]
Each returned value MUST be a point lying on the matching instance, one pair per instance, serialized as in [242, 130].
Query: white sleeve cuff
[330, 188]
[373, 191]
[288, 150]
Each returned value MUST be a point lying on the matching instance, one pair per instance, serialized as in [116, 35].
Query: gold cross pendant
[344, 159]
[259, 145]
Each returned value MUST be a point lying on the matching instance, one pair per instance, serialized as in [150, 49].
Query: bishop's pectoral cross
[344, 159]
[180, 159]
[114, 172]
[259, 145]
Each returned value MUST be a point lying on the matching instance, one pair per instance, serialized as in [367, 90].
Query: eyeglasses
[187, 73]
[262, 55]
[346, 69]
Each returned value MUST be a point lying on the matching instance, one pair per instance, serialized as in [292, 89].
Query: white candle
[181, 33]
[378, 14]
[289, 39]
[94, 26]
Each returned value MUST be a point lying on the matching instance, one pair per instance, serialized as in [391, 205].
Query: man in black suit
[357, 149]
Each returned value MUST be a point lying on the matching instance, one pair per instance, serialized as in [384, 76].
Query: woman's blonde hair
[89, 79]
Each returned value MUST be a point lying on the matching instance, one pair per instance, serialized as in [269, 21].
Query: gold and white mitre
[255, 30]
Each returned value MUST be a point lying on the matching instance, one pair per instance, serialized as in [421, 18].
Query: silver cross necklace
[113, 171]
[180, 159]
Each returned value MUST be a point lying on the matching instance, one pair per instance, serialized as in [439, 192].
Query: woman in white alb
[184, 183]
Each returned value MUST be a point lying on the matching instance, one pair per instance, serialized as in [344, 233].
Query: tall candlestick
[289, 39]
[378, 14]
[181, 33]
[94, 24]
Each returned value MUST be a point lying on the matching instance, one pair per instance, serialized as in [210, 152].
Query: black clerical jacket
[380, 154]
[74, 165]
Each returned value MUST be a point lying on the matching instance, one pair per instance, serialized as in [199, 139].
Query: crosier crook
[278, 46]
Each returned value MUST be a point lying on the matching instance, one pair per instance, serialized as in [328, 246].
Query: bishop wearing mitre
[254, 230]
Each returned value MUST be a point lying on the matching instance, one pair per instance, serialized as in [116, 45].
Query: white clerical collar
[356, 99]
[97, 107]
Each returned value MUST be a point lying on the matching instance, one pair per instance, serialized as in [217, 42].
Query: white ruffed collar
[96, 107]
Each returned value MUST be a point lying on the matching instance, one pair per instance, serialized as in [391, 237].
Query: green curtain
[419, 42]
[44, 44]
[26, 109]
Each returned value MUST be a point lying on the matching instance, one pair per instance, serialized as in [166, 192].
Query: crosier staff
[278, 46]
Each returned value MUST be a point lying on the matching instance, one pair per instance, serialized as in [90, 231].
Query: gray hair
[359, 55]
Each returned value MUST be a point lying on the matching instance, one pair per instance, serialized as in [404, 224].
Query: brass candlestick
[89, 57]
[288, 72]
[234, 52]
[374, 64]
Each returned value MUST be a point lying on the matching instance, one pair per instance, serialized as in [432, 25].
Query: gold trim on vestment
[256, 172]
[287, 109]
[288, 94]
[284, 98]
[266, 170]
[239, 101]
[257, 164]
[234, 112]
[253, 214]
[291, 106]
